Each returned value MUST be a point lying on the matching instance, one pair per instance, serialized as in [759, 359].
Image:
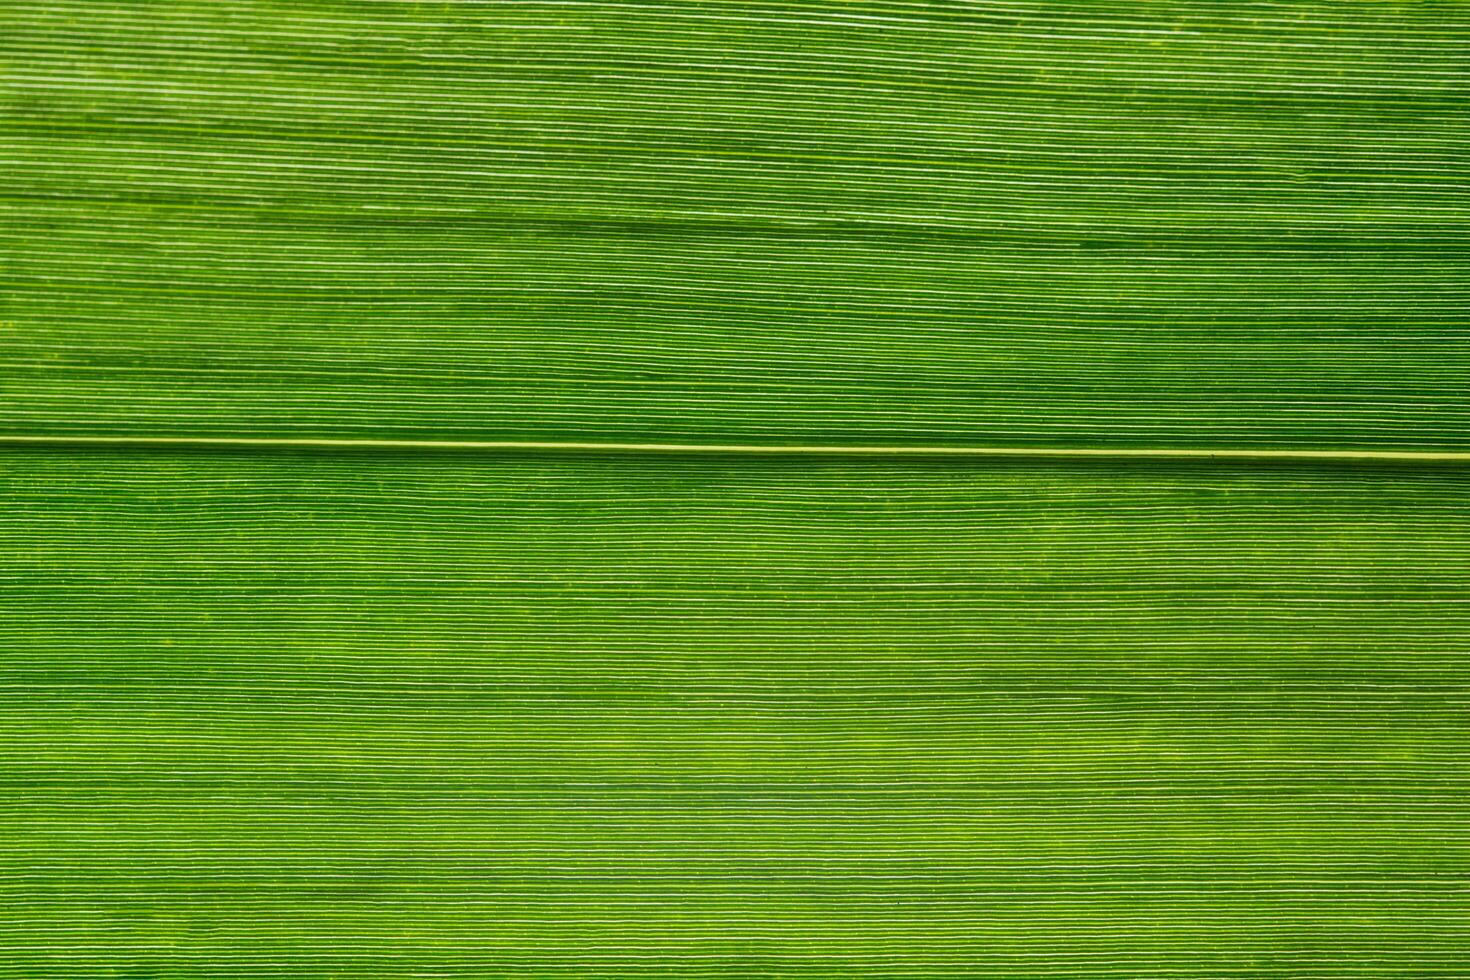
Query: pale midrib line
[676, 448]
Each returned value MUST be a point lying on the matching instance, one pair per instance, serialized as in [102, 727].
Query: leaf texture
[1110, 224]
[378, 716]
[277, 707]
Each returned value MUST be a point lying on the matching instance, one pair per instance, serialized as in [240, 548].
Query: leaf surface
[1114, 224]
[386, 715]
[277, 707]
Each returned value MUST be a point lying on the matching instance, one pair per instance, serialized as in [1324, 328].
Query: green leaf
[390, 715]
[560, 489]
[1121, 224]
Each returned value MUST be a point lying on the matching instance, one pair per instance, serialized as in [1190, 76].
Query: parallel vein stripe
[450, 445]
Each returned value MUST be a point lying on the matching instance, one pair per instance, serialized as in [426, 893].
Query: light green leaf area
[276, 708]
[397, 715]
[1105, 224]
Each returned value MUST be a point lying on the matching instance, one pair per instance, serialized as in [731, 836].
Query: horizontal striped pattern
[381, 715]
[1013, 223]
[870, 488]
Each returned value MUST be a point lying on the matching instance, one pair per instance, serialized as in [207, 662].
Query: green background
[304, 712]
[1098, 224]
[396, 716]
